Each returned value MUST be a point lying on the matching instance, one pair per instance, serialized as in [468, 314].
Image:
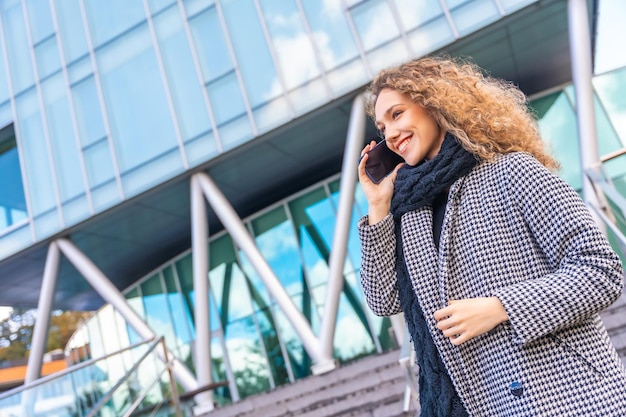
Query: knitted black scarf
[415, 187]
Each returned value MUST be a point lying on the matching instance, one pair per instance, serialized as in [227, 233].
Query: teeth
[403, 146]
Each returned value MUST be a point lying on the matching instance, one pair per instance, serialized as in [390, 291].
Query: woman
[496, 263]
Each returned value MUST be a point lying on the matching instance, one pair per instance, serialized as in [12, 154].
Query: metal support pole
[353, 146]
[233, 224]
[580, 51]
[44, 308]
[111, 295]
[199, 254]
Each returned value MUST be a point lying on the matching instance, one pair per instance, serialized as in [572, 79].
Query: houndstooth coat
[514, 230]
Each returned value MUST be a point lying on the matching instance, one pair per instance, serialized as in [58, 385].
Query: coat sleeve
[586, 274]
[378, 259]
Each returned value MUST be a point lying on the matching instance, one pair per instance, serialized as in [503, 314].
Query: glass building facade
[102, 102]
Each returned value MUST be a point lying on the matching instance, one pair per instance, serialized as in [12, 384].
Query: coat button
[516, 388]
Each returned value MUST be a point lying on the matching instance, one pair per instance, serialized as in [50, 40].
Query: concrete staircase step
[364, 388]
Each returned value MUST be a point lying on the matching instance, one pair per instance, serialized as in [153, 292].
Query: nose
[391, 135]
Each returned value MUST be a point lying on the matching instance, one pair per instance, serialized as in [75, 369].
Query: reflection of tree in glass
[247, 358]
[86, 398]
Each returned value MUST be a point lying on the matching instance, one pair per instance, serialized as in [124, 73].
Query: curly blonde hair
[489, 116]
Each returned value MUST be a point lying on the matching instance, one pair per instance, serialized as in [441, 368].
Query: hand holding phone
[381, 161]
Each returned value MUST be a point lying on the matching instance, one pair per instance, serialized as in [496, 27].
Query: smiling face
[409, 129]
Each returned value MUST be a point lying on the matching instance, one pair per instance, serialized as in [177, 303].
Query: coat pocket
[574, 357]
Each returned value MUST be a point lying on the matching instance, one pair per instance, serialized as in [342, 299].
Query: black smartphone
[381, 162]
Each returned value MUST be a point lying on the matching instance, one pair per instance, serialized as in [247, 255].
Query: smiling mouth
[403, 145]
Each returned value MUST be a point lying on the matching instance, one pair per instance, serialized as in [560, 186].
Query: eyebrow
[386, 113]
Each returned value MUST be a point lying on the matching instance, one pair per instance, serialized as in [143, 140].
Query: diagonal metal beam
[242, 239]
[44, 308]
[111, 295]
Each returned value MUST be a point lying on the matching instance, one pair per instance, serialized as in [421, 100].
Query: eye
[396, 114]
[381, 132]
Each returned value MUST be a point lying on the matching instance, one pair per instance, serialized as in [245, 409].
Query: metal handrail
[605, 189]
[73, 368]
[28, 395]
[407, 363]
[137, 402]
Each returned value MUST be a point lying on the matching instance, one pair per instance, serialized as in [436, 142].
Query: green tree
[63, 324]
[16, 331]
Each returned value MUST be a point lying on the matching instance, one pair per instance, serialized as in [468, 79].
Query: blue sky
[611, 34]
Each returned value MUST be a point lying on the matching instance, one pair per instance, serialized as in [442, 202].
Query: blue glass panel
[47, 223]
[230, 290]
[194, 6]
[558, 127]
[39, 175]
[158, 5]
[416, 13]
[14, 240]
[228, 283]
[157, 310]
[392, 53]
[40, 19]
[374, 23]
[352, 339]
[48, 60]
[107, 19]
[277, 242]
[513, 5]
[134, 301]
[292, 44]
[80, 69]
[181, 316]
[154, 172]
[71, 29]
[226, 99]
[298, 357]
[272, 114]
[273, 349]
[6, 113]
[62, 138]
[347, 77]
[431, 36]
[4, 86]
[18, 49]
[140, 119]
[210, 44]
[201, 149]
[75, 209]
[314, 218]
[221, 395]
[470, 15]
[331, 32]
[353, 259]
[309, 96]
[255, 62]
[185, 87]
[99, 163]
[260, 294]
[610, 90]
[105, 195]
[12, 199]
[88, 112]
[247, 359]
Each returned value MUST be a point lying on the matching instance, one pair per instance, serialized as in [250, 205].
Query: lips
[403, 144]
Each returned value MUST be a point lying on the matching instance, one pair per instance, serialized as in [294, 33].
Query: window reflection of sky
[280, 248]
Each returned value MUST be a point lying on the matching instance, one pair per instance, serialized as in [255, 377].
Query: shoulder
[516, 168]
